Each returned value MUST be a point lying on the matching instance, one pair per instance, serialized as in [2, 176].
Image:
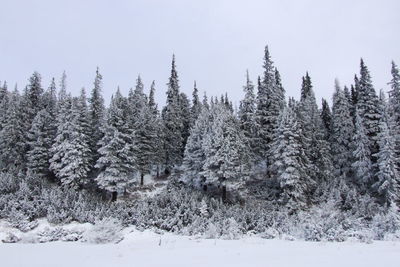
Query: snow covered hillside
[150, 249]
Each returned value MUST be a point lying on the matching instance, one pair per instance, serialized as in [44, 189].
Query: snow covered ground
[150, 249]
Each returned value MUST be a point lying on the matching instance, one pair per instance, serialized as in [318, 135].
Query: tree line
[292, 149]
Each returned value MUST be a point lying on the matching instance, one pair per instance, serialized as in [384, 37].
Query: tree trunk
[224, 193]
[114, 196]
[141, 179]
[158, 171]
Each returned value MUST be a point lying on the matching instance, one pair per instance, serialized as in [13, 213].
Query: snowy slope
[151, 249]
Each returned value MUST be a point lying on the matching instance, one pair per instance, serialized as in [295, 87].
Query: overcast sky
[214, 41]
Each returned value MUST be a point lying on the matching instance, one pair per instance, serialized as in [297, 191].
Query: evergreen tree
[40, 138]
[289, 161]
[196, 106]
[368, 106]
[326, 117]
[205, 101]
[62, 94]
[152, 103]
[362, 155]
[71, 160]
[226, 161]
[50, 99]
[194, 157]
[247, 110]
[394, 94]
[137, 100]
[388, 179]
[342, 133]
[96, 115]
[4, 101]
[117, 160]
[314, 136]
[173, 124]
[145, 135]
[158, 155]
[12, 135]
[185, 116]
[33, 97]
[265, 114]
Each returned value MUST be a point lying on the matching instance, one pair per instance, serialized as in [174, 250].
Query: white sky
[215, 41]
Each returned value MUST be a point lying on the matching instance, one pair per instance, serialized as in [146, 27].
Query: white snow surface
[148, 248]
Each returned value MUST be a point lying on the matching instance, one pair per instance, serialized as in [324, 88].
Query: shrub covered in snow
[107, 230]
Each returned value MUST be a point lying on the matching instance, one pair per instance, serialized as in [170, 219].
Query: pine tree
[314, 136]
[194, 157]
[394, 93]
[50, 99]
[71, 160]
[265, 115]
[40, 138]
[137, 100]
[368, 106]
[394, 106]
[62, 94]
[226, 161]
[173, 123]
[96, 115]
[145, 135]
[4, 101]
[152, 103]
[388, 179]
[117, 160]
[362, 165]
[184, 108]
[247, 112]
[33, 97]
[342, 133]
[326, 117]
[196, 106]
[289, 161]
[205, 103]
[13, 136]
[158, 155]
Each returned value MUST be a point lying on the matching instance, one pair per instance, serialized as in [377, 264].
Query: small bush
[107, 230]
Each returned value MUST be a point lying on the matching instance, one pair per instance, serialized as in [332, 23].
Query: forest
[274, 166]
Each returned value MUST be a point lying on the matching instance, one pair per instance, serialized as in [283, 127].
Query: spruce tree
[40, 138]
[71, 160]
[13, 135]
[368, 106]
[314, 136]
[247, 112]
[158, 155]
[136, 100]
[265, 114]
[326, 117]
[394, 95]
[289, 161]
[342, 134]
[185, 117]
[362, 165]
[145, 135]
[4, 102]
[152, 103]
[226, 161]
[388, 176]
[205, 103]
[33, 97]
[196, 105]
[96, 115]
[173, 124]
[194, 157]
[117, 159]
